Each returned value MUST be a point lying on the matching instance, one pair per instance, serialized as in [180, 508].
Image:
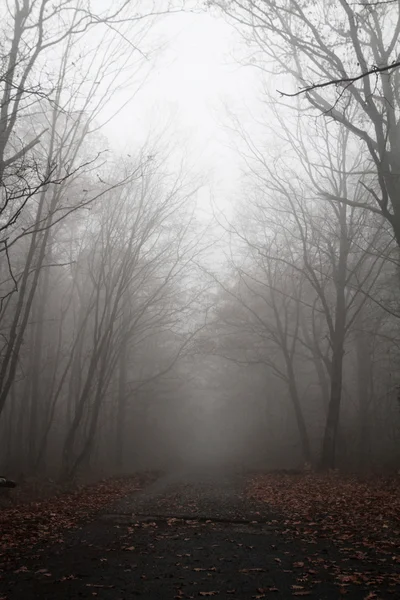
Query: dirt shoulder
[25, 524]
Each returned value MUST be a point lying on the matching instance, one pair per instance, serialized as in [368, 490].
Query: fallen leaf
[45, 520]
[22, 570]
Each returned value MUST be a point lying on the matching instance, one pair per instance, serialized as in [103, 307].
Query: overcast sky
[194, 78]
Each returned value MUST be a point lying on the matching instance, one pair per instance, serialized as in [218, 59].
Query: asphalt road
[194, 535]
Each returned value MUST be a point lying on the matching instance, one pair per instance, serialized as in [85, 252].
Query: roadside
[25, 524]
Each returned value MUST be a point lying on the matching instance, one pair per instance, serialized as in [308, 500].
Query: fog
[199, 233]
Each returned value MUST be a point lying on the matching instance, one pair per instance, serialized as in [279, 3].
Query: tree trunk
[333, 416]
[322, 374]
[36, 366]
[301, 424]
[71, 466]
[338, 339]
[364, 367]
[121, 414]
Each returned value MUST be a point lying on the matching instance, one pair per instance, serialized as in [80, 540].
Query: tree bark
[294, 396]
[364, 367]
[36, 366]
[121, 410]
[332, 422]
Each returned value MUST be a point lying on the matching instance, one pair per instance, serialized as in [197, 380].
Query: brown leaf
[63, 509]
[252, 570]
[22, 570]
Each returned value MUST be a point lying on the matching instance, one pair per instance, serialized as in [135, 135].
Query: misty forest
[146, 322]
[200, 273]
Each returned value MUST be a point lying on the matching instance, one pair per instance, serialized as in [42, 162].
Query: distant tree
[335, 249]
[130, 264]
[64, 328]
[260, 324]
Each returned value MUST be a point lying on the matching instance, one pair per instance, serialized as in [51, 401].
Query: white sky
[194, 77]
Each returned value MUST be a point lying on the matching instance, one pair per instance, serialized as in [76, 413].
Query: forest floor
[205, 533]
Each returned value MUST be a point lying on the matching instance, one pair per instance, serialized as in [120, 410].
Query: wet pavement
[193, 534]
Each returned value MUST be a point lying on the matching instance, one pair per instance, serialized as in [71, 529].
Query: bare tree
[262, 326]
[326, 244]
[30, 33]
[56, 169]
[344, 56]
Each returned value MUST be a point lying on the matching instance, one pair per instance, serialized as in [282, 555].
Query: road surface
[192, 535]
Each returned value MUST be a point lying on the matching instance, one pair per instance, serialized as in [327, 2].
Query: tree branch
[342, 80]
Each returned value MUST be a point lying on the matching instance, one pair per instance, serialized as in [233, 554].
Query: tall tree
[327, 244]
[341, 55]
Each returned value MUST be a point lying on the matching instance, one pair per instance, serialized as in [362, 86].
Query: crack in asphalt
[164, 518]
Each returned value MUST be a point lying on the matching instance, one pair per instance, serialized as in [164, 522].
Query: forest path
[189, 535]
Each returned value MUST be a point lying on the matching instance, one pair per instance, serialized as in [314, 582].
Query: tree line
[312, 289]
[97, 288]
[115, 308]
